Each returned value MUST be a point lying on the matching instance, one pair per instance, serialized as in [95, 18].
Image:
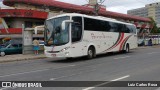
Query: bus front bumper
[57, 55]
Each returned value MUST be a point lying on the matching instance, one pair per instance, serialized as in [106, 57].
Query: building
[150, 10]
[34, 12]
[12, 20]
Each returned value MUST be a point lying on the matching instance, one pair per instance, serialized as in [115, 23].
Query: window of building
[28, 24]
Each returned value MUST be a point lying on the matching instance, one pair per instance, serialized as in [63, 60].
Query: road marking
[52, 79]
[152, 52]
[89, 88]
[122, 57]
[34, 71]
[121, 78]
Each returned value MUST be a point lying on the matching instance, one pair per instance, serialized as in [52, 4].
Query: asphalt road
[142, 64]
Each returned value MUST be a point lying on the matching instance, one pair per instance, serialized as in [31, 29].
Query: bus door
[76, 36]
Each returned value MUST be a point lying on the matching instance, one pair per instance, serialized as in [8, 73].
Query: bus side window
[133, 29]
[120, 28]
[127, 30]
[130, 29]
[114, 27]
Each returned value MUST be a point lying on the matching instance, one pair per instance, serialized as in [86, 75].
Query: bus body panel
[102, 41]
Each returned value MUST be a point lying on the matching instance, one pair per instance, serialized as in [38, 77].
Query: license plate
[54, 55]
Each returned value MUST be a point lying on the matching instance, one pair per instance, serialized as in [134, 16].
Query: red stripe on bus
[119, 37]
[124, 41]
[119, 40]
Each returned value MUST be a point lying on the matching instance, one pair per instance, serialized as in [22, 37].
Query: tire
[2, 54]
[69, 58]
[91, 53]
[127, 48]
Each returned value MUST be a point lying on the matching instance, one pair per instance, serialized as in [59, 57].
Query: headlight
[64, 49]
[67, 53]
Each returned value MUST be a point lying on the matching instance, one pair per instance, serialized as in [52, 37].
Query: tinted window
[127, 29]
[133, 29]
[96, 25]
[99, 25]
[89, 24]
[15, 45]
[120, 27]
[76, 29]
[104, 26]
[114, 27]
[130, 29]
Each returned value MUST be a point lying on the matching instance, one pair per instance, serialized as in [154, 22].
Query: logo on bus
[99, 36]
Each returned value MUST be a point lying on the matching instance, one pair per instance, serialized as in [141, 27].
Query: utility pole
[96, 9]
[96, 4]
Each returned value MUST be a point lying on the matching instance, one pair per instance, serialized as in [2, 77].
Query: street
[142, 64]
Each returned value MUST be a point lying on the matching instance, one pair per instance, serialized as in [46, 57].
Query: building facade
[150, 10]
[32, 13]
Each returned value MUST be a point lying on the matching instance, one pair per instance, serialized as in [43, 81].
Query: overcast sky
[120, 6]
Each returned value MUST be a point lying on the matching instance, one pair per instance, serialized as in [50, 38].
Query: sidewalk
[154, 46]
[20, 57]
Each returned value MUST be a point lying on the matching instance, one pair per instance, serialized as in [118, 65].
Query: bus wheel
[91, 53]
[70, 58]
[127, 48]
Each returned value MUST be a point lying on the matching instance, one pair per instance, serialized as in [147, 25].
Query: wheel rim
[90, 53]
[2, 54]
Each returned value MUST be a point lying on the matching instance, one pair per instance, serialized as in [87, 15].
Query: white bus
[75, 35]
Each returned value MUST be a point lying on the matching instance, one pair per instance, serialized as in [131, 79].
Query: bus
[74, 35]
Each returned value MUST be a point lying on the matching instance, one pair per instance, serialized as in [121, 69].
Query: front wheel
[127, 48]
[2, 54]
[91, 53]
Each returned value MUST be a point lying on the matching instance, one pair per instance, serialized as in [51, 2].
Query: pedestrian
[35, 46]
[150, 42]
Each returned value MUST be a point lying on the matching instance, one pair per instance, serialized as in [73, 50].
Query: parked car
[1, 46]
[11, 49]
[4, 45]
[12, 41]
[140, 42]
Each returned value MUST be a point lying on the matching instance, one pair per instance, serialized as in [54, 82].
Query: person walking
[35, 46]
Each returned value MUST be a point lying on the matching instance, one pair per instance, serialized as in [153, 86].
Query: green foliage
[155, 29]
[158, 30]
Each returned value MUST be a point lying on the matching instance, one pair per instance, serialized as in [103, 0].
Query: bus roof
[93, 17]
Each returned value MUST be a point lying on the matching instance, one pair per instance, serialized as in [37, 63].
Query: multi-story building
[150, 10]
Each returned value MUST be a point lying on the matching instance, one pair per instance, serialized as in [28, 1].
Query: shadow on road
[80, 59]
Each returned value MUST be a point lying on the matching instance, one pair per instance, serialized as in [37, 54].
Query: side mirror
[63, 25]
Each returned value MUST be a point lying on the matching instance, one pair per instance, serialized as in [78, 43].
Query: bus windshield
[54, 35]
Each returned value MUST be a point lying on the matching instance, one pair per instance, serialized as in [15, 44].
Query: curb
[21, 59]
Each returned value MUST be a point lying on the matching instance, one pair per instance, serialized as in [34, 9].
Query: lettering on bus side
[99, 36]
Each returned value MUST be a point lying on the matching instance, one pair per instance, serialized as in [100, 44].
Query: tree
[155, 29]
